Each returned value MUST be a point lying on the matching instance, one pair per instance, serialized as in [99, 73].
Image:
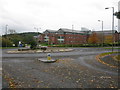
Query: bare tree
[11, 31]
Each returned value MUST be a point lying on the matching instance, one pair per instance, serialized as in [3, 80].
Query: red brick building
[64, 36]
[75, 37]
[108, 36]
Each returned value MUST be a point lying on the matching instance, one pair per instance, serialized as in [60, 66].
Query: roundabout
[73, 69]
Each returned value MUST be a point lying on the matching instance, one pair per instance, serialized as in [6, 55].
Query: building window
[60, 37]
[61, 41]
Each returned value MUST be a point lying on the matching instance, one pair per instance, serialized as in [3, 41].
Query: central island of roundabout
[48, 52]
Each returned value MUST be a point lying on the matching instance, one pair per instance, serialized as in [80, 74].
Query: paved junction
[75, 69]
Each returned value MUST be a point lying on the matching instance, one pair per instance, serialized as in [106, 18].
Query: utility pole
[37, 35]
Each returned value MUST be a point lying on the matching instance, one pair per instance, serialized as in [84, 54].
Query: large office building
[75, 37]
[64, 36]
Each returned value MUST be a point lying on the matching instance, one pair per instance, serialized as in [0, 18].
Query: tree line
[13, 39]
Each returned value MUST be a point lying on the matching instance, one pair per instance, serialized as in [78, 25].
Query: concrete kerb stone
[39, 51]
[101, 61]
[46, 61]
[20, 51]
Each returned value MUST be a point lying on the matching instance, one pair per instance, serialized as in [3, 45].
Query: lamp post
[6, 35]
[112, 25]
[102, 32]
[37, 35]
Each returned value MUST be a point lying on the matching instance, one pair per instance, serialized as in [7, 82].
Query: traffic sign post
[48, 56]
[20, 44]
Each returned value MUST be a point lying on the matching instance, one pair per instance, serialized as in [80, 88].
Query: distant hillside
[25, 38]
[24, 34]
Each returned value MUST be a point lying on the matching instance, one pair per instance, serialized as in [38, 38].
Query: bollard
[48, 56]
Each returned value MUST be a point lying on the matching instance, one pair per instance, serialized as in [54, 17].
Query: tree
[6, 42]
[117, 14]
[108, 39]
[11, 31]
[15, 39]
[25, 38]
[93, 38]
[101, 38]
[28, 39]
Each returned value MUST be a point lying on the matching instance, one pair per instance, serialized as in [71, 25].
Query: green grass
[113, 48]
[107, 53]
[8, 47]
[117, 57]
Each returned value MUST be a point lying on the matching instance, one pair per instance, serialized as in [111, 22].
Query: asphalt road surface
[76, 69]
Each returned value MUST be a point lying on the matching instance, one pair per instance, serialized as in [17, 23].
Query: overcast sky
[24, 15]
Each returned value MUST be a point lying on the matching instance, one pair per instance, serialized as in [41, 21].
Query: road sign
[48, 56]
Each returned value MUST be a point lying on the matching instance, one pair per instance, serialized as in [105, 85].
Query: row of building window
[66, 41]
[64, 33]
[61, 37]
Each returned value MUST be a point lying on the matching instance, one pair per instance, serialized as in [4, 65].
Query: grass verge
[117, 57]
[8, 47]
[114, 48]
[107, 53]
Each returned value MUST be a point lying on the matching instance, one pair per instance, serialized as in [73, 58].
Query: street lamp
[102, 32]
[112, 25]
[38, 34]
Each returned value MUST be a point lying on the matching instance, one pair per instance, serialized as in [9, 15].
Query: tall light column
[102, 32]
[37, 35]
[112, 25]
